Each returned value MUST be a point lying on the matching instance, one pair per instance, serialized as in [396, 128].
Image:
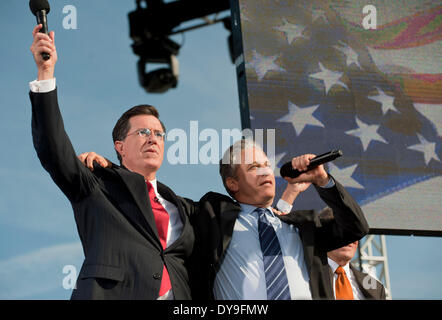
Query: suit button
[157, 276]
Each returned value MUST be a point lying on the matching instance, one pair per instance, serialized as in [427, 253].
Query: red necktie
[343, 289]
[162, 221]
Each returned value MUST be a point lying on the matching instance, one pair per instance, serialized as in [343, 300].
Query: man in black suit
[233, 242]
[134, 230]
[348, 282]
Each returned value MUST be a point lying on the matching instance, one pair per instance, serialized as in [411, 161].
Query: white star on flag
[344, 175]
[318, 13]
[385, 101]
[263, 64]
[329, 77]
[366, 133]
[291, 31]
[350, 54]
[427, 148]
[300, 117]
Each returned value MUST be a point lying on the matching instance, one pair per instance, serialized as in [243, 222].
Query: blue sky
[97, 82]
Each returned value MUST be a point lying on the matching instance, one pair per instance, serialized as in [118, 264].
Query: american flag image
[324, 82]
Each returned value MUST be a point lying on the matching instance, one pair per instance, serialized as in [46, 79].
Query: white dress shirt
[357, 293]
[241, 274]
[42, 86]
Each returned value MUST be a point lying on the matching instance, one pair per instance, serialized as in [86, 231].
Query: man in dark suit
[235, 259]
[348, 282]
[134, 230]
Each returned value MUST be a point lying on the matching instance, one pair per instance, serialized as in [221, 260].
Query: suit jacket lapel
[300, 219]
[137, 187]
[228, 214]
[170, 196]
[308, 246]
[360, 276]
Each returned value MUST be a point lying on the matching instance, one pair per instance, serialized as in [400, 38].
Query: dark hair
[122, 126]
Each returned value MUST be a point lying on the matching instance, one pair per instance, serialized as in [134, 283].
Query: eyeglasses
[144, 132]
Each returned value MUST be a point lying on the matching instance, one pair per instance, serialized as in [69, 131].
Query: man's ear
[232, 184]
[118, 145]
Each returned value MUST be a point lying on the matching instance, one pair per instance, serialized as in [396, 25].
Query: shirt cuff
[283, 206]
[330, 184]
[42, 86]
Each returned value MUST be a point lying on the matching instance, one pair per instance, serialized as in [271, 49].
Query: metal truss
[372, 259]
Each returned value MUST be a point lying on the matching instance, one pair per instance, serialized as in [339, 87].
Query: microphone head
[39, 5]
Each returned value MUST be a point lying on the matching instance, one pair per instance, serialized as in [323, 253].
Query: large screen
[361, 76]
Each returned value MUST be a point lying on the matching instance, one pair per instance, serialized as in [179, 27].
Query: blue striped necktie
[274, 270]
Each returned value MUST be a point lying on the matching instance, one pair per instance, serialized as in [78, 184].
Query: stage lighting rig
[151, 25]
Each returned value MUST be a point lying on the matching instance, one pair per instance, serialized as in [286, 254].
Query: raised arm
[297, 186]
[348, 223]
[44, 43]
[51, 142]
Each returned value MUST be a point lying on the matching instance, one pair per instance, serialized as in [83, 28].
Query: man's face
[141, 154]
[344, 254]
[255, 182]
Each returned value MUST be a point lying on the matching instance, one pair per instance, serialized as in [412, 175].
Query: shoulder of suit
[105, 173]
[114, 168]
[164, 190]
[217, 202]
[363, 275]
[216, 196]
[161, 185]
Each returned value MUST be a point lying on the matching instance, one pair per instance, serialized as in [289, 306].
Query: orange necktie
[343, 289]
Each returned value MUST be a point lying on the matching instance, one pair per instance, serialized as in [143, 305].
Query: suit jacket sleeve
[348, 223]
[55, 150]
[198, 262]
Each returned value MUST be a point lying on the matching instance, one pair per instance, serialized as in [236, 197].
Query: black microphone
[288, 171]
[40, 8]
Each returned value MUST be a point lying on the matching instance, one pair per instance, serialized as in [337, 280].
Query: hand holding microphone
[43, 47]
[309, 168]
[40, 8]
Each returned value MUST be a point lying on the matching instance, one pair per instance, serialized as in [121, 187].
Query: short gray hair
[232, 157]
